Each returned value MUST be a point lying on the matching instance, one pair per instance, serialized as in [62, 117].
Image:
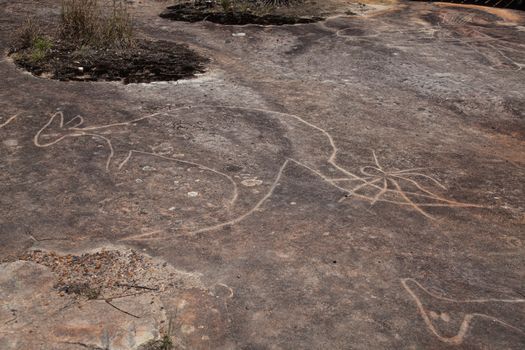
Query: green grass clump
[31, 38]
[40, 48]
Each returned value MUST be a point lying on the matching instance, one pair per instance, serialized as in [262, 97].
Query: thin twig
[119, 309]
[135, 286]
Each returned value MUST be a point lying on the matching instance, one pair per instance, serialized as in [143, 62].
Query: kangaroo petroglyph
[236, 133]
[450, 319]
[388, 186]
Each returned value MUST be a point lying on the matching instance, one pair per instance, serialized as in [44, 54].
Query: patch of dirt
[190, 12]
[110, 273]
[145, 62]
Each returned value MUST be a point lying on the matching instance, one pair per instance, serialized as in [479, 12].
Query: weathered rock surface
[35, 316]
[355, 183]
[40, 307]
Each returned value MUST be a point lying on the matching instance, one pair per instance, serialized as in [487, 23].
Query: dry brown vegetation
[95, 40]
[87, 22]
[83, 23]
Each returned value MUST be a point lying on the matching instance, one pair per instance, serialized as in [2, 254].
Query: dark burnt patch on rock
[189, 12]
[146, 61]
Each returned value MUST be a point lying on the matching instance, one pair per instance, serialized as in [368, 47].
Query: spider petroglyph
[407, 187]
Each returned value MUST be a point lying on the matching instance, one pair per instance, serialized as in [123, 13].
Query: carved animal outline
[313, 159]
[8, 120]
[452, 28]
[417, 292]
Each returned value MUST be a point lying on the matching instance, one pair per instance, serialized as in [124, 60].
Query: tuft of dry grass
[27, 34]
[82, 24]
[88, 23]
[31, 37]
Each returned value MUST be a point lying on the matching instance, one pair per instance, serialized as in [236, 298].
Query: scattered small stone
[251, 182]
[11, 142]
[193, 194]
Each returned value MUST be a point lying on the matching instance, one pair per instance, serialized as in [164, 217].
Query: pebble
[11, 142]
[251, 182]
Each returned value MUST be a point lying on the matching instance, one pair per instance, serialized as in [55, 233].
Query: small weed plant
[40, 48]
